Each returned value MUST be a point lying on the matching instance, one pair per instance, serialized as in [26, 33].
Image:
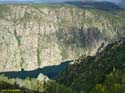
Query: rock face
[42, 77]
[34, 36]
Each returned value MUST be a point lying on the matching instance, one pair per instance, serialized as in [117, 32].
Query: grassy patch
[3, 10]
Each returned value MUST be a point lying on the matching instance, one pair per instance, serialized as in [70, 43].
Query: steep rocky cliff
[34, 36]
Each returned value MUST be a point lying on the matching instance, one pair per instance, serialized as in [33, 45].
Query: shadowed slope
[96, 5]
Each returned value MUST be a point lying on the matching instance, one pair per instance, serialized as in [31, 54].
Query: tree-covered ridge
[103, 73]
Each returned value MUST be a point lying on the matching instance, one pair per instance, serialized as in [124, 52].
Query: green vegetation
[64, 53]
[20, 86]
[38, 57]
[116, 18]
[100, 74]
[17, 37]
[113, 83]
[54, 87]
[31, 85]
[52, 5]
[3, 10]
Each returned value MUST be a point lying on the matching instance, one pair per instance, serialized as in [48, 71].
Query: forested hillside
[103, 73]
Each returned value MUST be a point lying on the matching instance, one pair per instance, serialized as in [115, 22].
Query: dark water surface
[50, 71]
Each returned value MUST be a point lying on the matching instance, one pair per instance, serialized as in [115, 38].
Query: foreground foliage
[29, 85]
[103, 73]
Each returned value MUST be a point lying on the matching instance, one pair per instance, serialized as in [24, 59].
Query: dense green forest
[103, 73]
